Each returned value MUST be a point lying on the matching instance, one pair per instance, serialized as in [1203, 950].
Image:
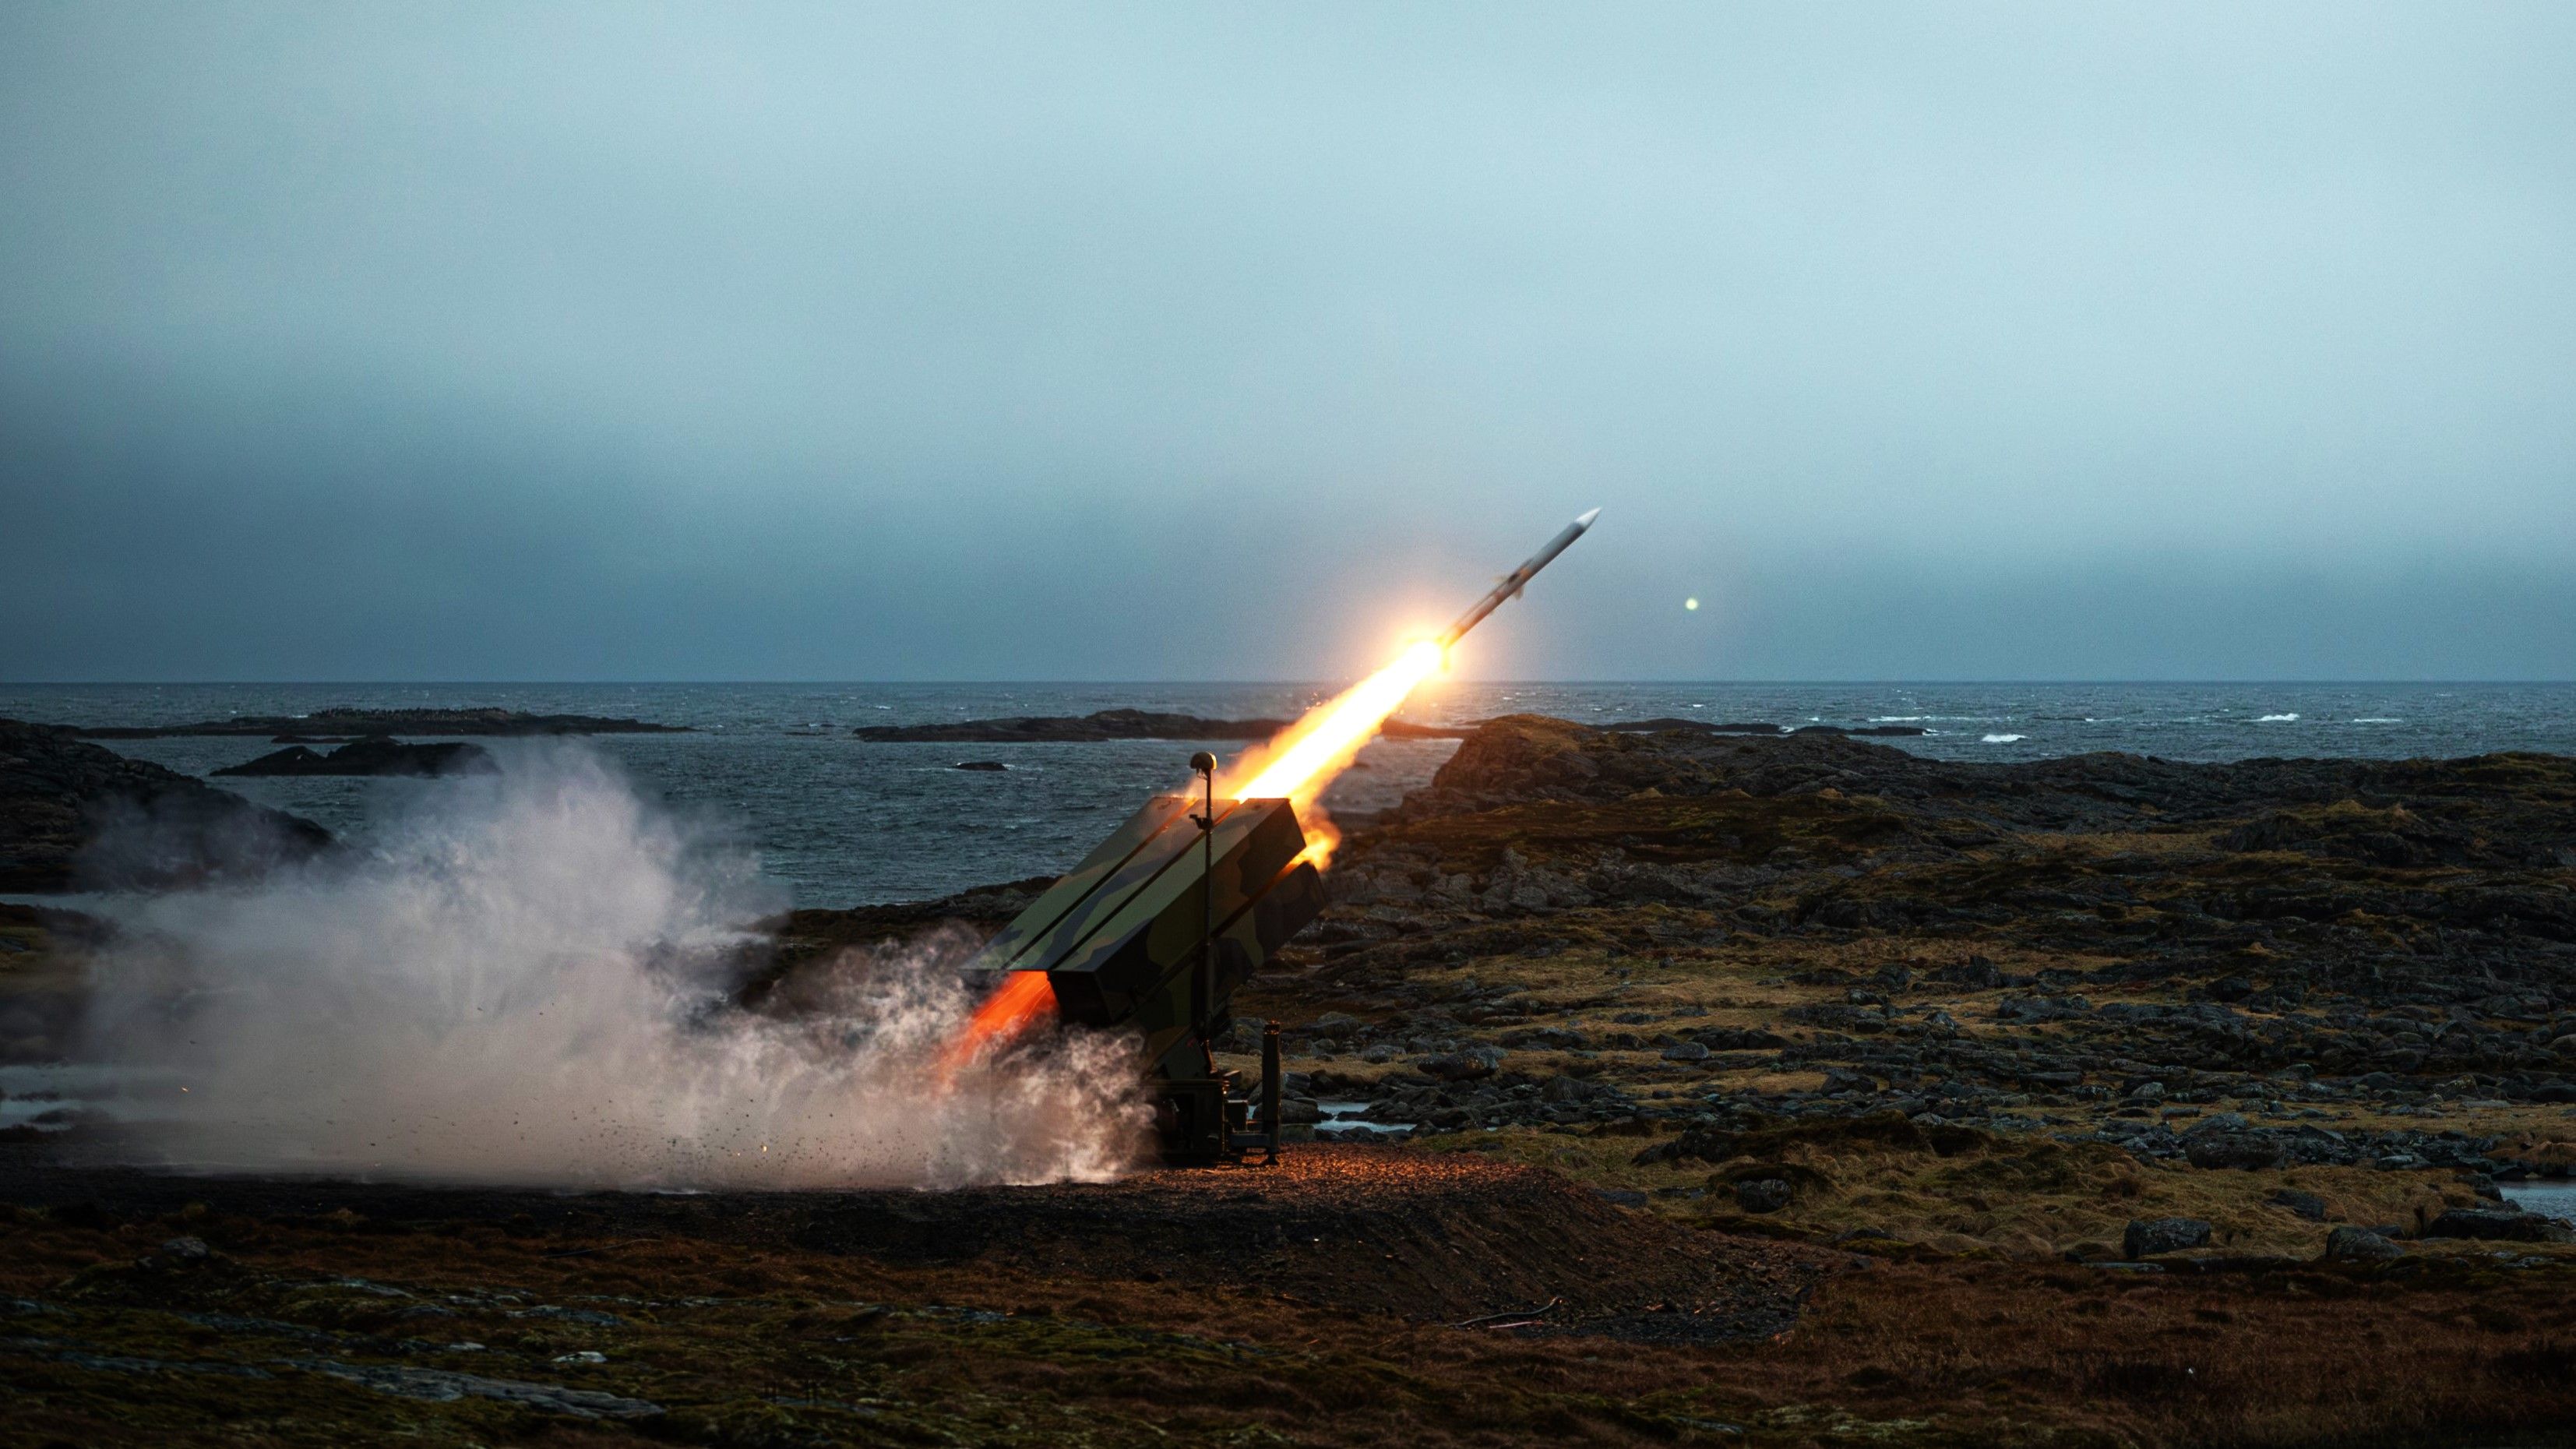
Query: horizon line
[1891, 682]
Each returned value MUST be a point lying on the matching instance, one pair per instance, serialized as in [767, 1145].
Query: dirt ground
[1370, 1230]
[1352, 1295]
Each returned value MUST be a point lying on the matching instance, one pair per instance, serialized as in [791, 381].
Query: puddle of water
[1343, 1116]
[2557, 1199]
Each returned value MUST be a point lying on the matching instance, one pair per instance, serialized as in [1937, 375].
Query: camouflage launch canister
[1118, 935]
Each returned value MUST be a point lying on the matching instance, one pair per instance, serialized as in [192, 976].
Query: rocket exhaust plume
[1301, 760]
[1014, 1006]
[1305, 757]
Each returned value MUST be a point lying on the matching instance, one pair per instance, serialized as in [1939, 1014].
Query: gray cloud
[960, 342]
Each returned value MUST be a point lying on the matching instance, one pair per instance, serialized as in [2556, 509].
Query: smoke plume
[525, 979]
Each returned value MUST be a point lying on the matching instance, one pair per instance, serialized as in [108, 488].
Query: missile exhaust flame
[1013, 1008]
[1304, 758]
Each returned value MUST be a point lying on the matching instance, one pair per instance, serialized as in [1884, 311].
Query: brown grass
[1903, 1353]
[2442, 1351]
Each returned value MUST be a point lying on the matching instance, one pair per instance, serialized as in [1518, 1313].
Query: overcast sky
[940, 341]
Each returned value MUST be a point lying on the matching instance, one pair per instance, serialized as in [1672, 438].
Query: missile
[1513, 582]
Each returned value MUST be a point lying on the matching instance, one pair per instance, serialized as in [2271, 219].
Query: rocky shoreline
[75, 815]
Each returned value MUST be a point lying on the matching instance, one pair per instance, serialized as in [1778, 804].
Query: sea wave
[2004, 739]
[2378, 719]
[2274, 718]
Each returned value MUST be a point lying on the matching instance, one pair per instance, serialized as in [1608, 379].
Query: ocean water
[2557, 1199]
[843, 822]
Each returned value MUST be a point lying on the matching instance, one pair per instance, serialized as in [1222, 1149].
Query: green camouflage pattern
[1035, 937]
[1119, 935]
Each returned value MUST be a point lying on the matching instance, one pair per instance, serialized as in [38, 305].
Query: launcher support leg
[1270, 1093]
[1203, 984]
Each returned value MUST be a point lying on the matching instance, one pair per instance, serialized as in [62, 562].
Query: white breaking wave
[2004, 739]
[2379, 719]
[2274, 718]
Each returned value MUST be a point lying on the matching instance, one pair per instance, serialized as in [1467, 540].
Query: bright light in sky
[1692, 604]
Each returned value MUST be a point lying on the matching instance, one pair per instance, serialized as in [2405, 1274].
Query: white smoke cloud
[525, 980]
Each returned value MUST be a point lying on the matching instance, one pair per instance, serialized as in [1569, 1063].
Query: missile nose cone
[1586, 520]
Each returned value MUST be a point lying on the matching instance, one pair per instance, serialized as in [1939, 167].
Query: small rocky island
[376, 755]
[1109, 724]
[331, 725]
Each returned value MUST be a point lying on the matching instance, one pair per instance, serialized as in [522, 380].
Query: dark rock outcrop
[1456, 1066]
[2245, 1151]
[330, 724]
[2499, 1225]
[76, 815]
[2306, 1204]
[377, 756]
[1109, 724]
[1764, 1194]
[2148, 1237]
[2359, 1245]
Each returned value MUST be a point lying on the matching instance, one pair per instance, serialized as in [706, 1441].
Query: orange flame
[1012, 1009]
[1304, 758]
